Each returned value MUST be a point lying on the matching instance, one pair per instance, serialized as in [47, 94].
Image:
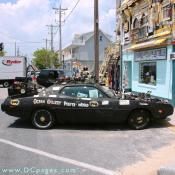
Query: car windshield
[69, 74]
[108, 91]
[61, 73]
[52, 90]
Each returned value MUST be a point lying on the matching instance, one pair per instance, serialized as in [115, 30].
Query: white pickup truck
[11, 67]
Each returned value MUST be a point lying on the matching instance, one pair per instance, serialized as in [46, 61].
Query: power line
[25, 42]
[68, 14]
[72, 10]
[30, 42]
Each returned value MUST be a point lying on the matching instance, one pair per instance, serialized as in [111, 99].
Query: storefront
[152, 71]
[127, 68]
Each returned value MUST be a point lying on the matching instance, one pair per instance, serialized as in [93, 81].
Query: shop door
[173, 88]
[128, 75]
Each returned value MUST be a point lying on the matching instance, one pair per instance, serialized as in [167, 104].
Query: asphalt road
[75, 149]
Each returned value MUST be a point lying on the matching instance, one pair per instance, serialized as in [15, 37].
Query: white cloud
[26, 20]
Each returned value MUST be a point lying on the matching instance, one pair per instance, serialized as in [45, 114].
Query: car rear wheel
[139, 119]
[43, 119]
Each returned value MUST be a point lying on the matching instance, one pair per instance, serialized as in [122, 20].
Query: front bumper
[162, 111]
[12, 110]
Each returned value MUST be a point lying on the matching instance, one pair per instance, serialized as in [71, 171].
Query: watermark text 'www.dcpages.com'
[34, 170]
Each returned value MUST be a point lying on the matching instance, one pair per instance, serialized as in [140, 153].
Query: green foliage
[45, 59]
[2, 53]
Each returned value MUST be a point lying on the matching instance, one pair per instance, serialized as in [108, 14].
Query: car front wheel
[6, 84]
[43, 119]
[139, 119]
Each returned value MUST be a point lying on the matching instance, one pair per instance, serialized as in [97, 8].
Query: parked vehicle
[86, 103]
[11, 67]
[27, 85]
[48, 77]
[69, 74]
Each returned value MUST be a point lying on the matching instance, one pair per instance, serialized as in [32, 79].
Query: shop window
[173, 48]
[148, 73]
[167, 11]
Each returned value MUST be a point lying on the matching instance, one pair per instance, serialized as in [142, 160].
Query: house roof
[81, 39]
[88, 35]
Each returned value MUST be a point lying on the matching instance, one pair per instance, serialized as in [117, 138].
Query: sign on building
[152, 54]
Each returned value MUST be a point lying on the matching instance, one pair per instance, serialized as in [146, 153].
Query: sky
[24, 22]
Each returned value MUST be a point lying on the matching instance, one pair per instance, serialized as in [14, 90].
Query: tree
[45, 59]
[2, 53]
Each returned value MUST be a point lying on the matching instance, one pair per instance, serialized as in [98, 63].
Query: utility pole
[51, 27]
[46, 40]
[18, 54]
[121, 52]
[15, 48]
[46, 43]
[60, 11]
[96, 39]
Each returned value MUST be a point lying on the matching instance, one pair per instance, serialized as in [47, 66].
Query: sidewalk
[170, 168]
[3, 93]
[172, 119]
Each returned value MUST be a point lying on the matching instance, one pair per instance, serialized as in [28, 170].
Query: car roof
[82, 84]
[53, 69]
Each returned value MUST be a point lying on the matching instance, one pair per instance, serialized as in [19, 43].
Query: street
[80, 150]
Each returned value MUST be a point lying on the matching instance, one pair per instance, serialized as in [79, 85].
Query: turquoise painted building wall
[163, 87]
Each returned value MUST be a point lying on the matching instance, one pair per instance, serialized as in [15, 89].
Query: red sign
[10, 62]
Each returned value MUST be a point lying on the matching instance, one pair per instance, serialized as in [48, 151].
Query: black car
[86, 103]
[48, 77]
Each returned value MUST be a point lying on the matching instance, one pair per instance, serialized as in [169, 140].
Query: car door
[75, 104]
[92, 105]
[100, 106]
[68, 108]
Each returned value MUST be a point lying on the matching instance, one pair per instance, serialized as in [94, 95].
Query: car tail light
[160, 111]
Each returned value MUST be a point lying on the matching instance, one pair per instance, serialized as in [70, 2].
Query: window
[173, 48]
[144, 20]
[155, 1]
[143, 29]
[82, 92]
[136, 24]
[53, 75]
[101, 38]
[143, 32]
[167, 11]
[148, 73]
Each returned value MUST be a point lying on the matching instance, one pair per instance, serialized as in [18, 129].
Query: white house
[81, 50]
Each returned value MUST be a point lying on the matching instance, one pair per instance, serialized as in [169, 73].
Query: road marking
[60, 158]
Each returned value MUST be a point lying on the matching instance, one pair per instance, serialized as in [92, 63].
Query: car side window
[68, 91]
[82, 92]
[95, 93]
